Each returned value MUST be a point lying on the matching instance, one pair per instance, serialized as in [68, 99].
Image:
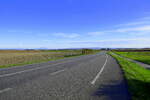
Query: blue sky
[74, 23]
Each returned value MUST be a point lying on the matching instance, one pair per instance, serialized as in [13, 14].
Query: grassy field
[138, 78]
[139, 56]
[9, 58]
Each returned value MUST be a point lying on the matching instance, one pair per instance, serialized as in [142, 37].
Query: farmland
[138, 78]
[9, 58]
[139, 56]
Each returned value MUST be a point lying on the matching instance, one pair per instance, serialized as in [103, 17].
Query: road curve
[90, 77]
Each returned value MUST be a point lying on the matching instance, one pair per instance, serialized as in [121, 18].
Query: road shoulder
[113, 85]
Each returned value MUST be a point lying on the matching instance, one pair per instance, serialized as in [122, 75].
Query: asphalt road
[90, 77]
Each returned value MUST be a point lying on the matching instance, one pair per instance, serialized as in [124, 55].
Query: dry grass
[19, 57]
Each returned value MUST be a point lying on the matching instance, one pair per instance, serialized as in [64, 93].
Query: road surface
[89, 77]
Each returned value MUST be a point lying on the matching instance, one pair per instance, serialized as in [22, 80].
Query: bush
[87, 51]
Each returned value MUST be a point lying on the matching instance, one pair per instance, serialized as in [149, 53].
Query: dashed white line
[5, 90]
[5, 75]
[28, 70]
[54, 73]
[98, 75]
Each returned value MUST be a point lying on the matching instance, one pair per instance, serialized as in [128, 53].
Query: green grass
[139, 56]
[138, 78]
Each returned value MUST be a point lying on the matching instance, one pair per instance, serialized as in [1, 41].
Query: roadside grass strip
[138, 78]
[10, 58]
[138, 56]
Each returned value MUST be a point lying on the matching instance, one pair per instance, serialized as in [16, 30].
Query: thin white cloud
[134, 29]
[131, 45]
[140, 30]
[96, 33]
[66, 35]
[141, 27]
[115, 40]
[46, 40]
[134, 23]
[42, 34]
[115, 43]
[138, 21]
[146, 18]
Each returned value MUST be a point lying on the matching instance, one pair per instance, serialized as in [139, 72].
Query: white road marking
[5, 90]
[28, 70]
[54, 73]
[98, 75]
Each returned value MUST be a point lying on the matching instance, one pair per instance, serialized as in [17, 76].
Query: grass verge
[138, 78]
[38, 61]
[19, 58]
[138, 56]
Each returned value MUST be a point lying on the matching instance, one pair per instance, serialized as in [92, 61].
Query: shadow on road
[140, 91]
[115, 91]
